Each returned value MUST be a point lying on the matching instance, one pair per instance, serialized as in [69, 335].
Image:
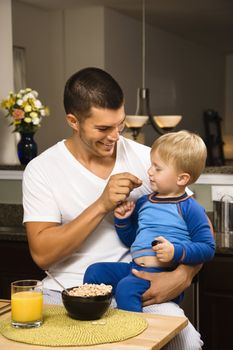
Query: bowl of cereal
[88, 301]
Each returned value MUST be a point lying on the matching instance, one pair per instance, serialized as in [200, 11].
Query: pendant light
[162, 123]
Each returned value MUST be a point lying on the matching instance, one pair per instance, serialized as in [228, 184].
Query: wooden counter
[161, 329]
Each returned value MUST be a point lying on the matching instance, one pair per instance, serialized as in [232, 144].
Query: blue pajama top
[180, 220]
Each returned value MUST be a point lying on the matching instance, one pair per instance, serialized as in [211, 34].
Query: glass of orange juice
[26, 303]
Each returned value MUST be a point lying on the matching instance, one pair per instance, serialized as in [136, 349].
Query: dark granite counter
[224, 169]
[18, 234]
[14, 234]
[11, 227]
[11, 215]
[12, 167]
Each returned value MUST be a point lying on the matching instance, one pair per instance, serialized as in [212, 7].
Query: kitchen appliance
[223, 221]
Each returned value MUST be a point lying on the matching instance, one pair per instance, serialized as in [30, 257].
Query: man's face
[100, 132]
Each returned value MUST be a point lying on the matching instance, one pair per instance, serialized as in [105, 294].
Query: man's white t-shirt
[57, 188]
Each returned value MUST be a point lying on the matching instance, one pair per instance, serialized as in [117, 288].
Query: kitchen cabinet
[216, 302]
[15, 261]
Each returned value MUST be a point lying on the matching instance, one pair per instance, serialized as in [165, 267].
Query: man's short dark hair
[91, 87]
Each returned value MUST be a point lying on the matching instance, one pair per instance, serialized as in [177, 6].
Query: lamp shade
[167, 121]
[135, 121]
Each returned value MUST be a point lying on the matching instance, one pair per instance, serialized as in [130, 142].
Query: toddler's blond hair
[185, 150]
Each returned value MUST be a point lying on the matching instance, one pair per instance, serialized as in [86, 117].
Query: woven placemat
[58, 329]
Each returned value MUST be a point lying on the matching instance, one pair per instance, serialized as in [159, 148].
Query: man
[70, 191]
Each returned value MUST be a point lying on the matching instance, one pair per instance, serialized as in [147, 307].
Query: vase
[26, 148]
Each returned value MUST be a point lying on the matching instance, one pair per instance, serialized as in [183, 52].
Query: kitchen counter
[18, 234]
[13, 233]
[11, 215]
[12, 229]
[12, 167]
[18, 169]
[224, 169]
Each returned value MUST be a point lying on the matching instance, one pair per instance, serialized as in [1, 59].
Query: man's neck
[100, 166]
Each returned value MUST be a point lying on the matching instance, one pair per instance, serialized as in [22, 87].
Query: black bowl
[86, 308]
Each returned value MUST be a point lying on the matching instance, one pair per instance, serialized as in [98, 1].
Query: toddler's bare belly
[150, 261]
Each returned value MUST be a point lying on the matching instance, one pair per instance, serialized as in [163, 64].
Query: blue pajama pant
[127, 288]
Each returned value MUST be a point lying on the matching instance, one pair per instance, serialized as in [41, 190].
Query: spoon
[53, 278]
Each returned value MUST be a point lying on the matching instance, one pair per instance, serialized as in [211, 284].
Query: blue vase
[27, 148]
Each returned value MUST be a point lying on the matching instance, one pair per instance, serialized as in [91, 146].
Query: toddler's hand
[164, 249]
[124, 210]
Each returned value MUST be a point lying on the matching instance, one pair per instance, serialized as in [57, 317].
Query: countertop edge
[11, 174]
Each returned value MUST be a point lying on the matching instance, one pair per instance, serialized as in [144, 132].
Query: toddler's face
[163, 176]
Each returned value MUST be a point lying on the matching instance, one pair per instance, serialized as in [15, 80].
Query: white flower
[19, 102]
[35, 93]
[36, 121]
[27, 96]
[42, 112]
[37, 103]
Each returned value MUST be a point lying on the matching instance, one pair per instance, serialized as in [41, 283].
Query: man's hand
[117, 190]
[166, 286]
[164, 249]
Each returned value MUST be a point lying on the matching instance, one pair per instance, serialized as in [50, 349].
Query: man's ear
[72, 121]
[183, 179]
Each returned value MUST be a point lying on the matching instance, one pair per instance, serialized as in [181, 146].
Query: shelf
[215, 179]
[11, 174]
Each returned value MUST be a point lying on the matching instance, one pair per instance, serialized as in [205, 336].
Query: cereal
[91, 290]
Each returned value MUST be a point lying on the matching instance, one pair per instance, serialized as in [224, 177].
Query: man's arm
[166, 286]
[51, 242]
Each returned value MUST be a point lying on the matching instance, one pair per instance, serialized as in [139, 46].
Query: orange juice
[26, 306]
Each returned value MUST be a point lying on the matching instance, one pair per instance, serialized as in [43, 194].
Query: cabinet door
[216, 303]
[16, 263]
[216, 320]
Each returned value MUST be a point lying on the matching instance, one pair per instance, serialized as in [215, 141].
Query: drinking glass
[26, 303]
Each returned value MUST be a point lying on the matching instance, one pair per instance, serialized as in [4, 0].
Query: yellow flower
[7, 104]
[33, 114]
[27, 119]
[27, 108]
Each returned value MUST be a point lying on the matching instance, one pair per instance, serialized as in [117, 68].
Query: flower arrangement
[25, 110]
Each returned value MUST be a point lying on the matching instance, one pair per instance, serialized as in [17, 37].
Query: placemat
[58, 329]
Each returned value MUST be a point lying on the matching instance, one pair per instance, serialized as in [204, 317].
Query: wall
[84, 38]
[188, 76]
[203, 195]
[182, 77]
[8, 153]
[41, 33]
[10, 191]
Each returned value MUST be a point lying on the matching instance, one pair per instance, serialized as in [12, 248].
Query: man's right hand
[117, 190]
